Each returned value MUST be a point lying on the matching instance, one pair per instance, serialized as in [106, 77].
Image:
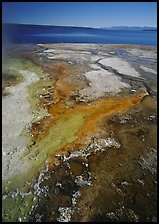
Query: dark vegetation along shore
[79, 133]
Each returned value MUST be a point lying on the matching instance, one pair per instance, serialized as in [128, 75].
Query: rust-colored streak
[62, 91]
[91, 113]
[57, 96]
[61, 69]
[137, 100]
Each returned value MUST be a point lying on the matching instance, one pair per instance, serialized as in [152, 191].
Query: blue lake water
[30, 34]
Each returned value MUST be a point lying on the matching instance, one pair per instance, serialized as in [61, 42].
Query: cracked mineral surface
[79, 142]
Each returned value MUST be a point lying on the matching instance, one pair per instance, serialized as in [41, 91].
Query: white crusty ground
[101, 82]
[143, 53]
[120, 65]
[94, 66]
[74, 55]
[15, 114]
[146, 69]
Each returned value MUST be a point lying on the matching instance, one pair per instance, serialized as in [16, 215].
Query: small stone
[19, 219]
